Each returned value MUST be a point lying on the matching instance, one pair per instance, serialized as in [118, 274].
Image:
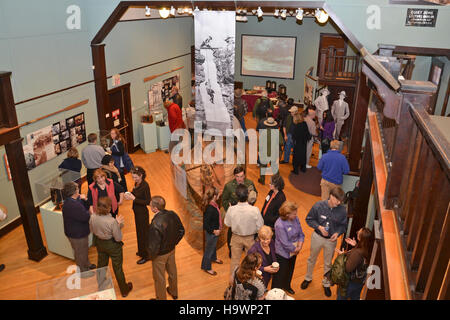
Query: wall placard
[416, 17]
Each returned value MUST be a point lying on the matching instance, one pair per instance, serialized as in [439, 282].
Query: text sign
[421, 17]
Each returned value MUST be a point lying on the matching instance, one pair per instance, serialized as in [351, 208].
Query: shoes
[142, 261]
[130, 287]
[327, 291]
[2, 267]
[290, 291]
[218, 261]
[308, 166]
[305, 284]
[294, 171]
[303, 169]
[261, 181]
[92, 267]
[211, 272]
[173, 297]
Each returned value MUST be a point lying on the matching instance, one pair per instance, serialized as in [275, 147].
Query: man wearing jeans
[328, 218]
[288, 136]
[312, 128]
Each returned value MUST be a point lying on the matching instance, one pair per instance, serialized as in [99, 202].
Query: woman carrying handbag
[121, 159]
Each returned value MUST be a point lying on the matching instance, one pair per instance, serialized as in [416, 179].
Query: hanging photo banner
[214, 68]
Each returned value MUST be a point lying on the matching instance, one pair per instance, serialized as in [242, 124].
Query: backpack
[262, 108]
[338, 275]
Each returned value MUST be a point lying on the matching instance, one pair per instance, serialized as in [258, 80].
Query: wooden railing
[411, 165]
[338, 67]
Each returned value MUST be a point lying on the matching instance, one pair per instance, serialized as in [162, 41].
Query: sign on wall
[416, 17]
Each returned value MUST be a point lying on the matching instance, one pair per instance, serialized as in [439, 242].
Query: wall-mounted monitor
[268, 56]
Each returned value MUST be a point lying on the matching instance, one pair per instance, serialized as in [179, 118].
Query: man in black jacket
[165, 231]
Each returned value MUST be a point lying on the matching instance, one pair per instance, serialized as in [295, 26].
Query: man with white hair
[321, 104]
[340, 113]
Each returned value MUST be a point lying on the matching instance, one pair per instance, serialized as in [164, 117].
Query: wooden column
[16, 159]
[359, 123]
[365, 187]
[101, 85]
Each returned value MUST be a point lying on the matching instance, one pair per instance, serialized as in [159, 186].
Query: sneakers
[327, 291]
[305, 284]
[308, 166]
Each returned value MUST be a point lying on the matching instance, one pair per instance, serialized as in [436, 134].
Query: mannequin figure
[321, 104]
[340, 112]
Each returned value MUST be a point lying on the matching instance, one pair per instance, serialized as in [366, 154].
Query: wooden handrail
[394, 256]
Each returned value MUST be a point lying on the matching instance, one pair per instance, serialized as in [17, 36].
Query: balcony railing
[338, 67]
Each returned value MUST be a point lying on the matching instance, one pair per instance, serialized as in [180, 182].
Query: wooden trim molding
[396, 271]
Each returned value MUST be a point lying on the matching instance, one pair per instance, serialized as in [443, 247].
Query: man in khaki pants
[328, 218]
[165, 232]
[245, 221]
[333, 165]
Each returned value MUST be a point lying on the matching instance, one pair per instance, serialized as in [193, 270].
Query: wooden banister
[396, 271]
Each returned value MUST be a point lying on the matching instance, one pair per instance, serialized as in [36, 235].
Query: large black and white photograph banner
[214, 68]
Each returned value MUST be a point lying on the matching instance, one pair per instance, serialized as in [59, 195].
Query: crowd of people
[270, 238]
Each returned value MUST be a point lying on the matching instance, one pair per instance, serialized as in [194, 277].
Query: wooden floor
[20, 278]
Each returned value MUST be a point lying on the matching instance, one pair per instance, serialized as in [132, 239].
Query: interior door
[120, 115]
[332, 45]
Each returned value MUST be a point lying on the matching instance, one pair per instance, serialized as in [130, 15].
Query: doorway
[119, 114]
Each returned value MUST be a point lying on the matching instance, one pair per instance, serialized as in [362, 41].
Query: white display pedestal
[149, 139]
[57, 242]
[163, 134]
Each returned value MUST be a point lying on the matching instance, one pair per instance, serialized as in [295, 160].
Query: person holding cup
[289, 239]
[265, 246]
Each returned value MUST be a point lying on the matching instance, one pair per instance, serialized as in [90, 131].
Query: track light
[180, 10]
[299, 15]
[190, 11]
[283, 13]
[164, 13]
[259, 12]
[241, 18]
[196, 9]
[254, 11]
[276, 13]
[147, 11]
[172, 11]
[321, 16]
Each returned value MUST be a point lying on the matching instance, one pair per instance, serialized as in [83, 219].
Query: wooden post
[17, 165]
[101, 85]
[359, 123]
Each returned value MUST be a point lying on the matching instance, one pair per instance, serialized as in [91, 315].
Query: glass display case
[90, 285]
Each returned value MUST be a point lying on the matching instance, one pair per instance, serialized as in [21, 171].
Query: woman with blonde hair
[247, 285]
[265, 246]
[301, 136]
[104, 187]
[288, 243]
[212, 224]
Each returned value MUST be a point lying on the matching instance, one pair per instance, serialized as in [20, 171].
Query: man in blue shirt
[333, 165]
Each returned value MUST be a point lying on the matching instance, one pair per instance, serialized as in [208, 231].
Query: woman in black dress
[273, 201]
[117, 152]
[141, 199]
[301, 136]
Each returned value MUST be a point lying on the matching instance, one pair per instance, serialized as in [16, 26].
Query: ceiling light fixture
[147, 11]
[321, 16]
[259, 12]
[164, 13]
[196, 9]
[299, 15]
[254, 11]
[283, 13]
[276, 13]
[172, 11]
[190, 11]
[180, 10]
[241, 18]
